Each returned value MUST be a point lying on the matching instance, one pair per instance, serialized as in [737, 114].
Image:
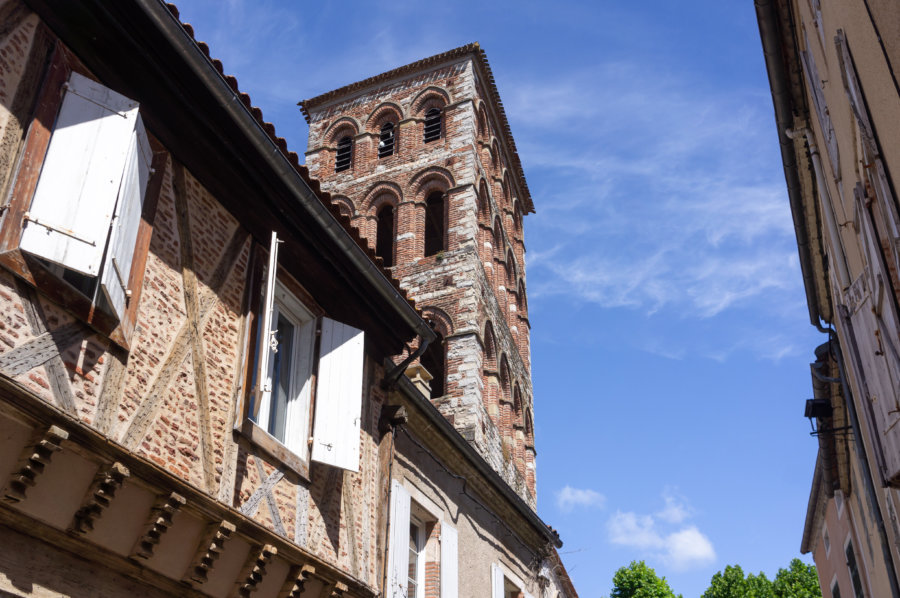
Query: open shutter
[877, 174]
[267, 338]
[69, 219]
[875, 324]
[127, 220]
[297, 424]
[338, 396]
[449, 561]
[398, 553]
[815, 88]
[496, 581]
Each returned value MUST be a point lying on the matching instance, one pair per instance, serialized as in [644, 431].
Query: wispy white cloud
[663, 535]
[570, 498]
[654, 196]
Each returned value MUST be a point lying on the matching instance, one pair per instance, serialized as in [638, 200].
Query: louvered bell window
[344, 154]
[386, 142]
[432, 125]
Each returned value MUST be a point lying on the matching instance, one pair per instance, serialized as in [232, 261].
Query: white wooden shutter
[449, 561]
[875, 325]
[877, 174]
[496, 581]
[398, 547]
[297, 425]
[818, 95]
[127, 220]
[267, 342]
[338, 396]
[70, 214]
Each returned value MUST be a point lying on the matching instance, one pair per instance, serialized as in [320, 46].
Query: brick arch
[379, 193]
[495, 156]
[384, 112]
[344, 205]
[441, 322]
[484, 200]
[490, 346]
[517, 215]
[430, 97]
[434, 359]
[497, 234]
[343, 126]
[483, 129]
[430, 180]
[505, 380]
[511, 269]
[521, 298]
[506, 186]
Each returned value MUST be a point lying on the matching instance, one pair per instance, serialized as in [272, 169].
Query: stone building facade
[202, 363]
[430, 175]
[832, 70]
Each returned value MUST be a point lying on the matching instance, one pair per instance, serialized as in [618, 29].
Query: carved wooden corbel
[210, 548]
[296, 581]
[254, 570]
[99, 497]
[334, 590]
[160, 520]
[32, 463]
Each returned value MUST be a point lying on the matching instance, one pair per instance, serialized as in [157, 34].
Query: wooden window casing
[327, 417]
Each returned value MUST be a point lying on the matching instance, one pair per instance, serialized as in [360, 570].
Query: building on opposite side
[832, 69]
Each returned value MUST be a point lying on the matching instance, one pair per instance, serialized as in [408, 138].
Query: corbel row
[102, 492]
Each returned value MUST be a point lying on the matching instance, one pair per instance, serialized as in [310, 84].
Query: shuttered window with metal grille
[386, 141]
[432, 125]
[344, 154]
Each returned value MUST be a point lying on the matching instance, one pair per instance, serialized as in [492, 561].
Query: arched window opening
[510, 270]
[344, 154]
[384, 235]
[434, 223]
[490, 347]
[432, 125]
[386, 141]
[434, 360]
[498, 238]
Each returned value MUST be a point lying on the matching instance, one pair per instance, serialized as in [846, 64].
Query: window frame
[434, 130]
[298, 300]
[343, 162]
[387, 135]
[42, 275]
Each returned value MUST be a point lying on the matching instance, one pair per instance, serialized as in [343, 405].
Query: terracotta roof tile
[293, 158]
[487, 76]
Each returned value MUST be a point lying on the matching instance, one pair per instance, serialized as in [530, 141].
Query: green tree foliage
[798, 581]
[637, 580]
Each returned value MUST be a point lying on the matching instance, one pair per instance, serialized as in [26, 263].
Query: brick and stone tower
[423, 161]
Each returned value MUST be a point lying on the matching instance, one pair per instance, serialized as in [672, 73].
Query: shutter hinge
[122, 284]
[57, 229]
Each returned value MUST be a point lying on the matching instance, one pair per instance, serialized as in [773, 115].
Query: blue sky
[670, 334]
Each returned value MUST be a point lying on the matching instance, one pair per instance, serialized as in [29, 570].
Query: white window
[416, 569]
[506, 585]
[413, 543]
[86, 209]
[292, 346]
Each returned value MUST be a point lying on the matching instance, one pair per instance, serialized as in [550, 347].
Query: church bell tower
[422, 160]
